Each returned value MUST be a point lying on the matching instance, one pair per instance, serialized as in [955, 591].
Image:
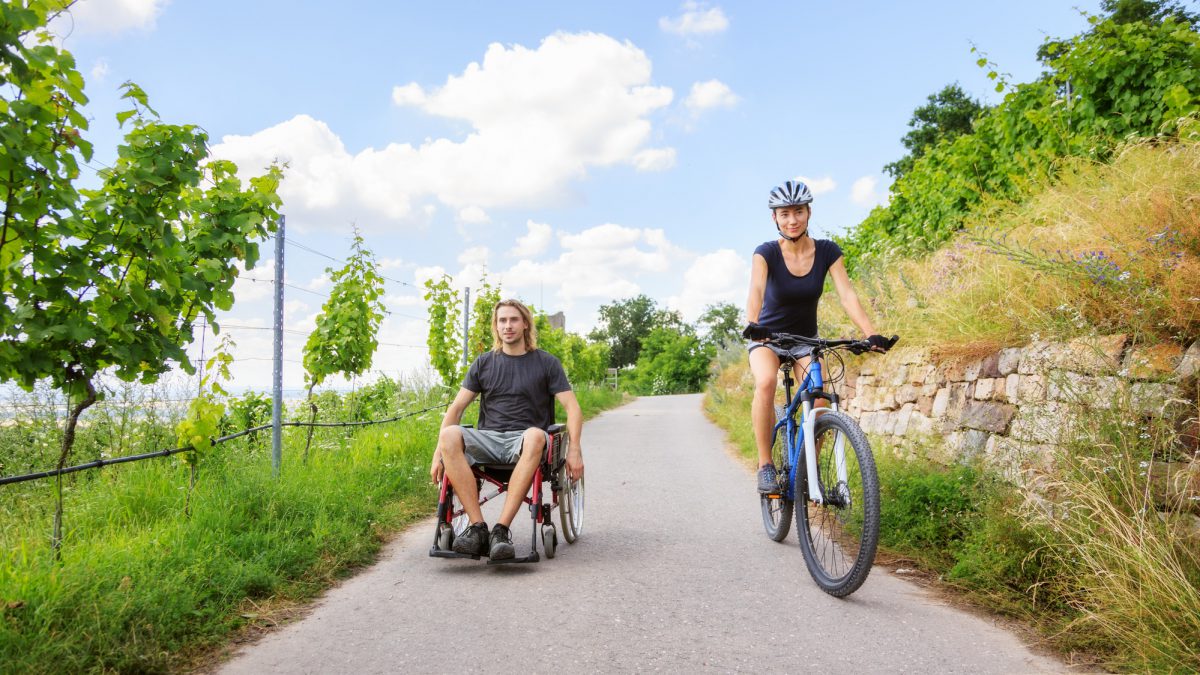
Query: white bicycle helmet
[791, 193]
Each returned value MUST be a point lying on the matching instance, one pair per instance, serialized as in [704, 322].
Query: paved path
[672, 574]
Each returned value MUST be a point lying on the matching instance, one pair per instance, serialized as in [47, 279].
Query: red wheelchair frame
[566, 495]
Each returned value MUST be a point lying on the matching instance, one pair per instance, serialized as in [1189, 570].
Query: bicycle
[838, 516]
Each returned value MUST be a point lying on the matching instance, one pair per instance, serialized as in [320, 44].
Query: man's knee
[532, 444]
[451, 439]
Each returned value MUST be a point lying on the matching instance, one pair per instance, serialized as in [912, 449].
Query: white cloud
[539, 119]
[696, 19]
[710, 94]
[109, 16]
[654, 159]
[599, 263]
[318, 283]
[534, 242]
[474, 256]
[818, 186]
[720, 276]
[864, 193]
[473, 215]
[99, 70]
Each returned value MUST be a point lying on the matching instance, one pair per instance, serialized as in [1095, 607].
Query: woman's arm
[849, 299]
[758, 285]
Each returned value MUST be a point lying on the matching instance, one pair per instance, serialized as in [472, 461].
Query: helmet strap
[792, 239]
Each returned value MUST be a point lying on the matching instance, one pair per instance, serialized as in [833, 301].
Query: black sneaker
[768, 480]
[473, 540]
[502, 546]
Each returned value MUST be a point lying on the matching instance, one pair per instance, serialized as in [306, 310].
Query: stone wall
[1010, 407]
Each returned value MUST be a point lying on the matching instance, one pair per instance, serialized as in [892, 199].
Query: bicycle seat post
[786, 367]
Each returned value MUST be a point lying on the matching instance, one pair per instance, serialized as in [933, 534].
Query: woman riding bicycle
[787, 277]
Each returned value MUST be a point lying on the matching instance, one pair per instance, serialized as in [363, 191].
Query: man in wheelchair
[517, 384]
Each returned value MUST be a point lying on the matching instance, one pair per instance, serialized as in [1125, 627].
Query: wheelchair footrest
[435, 552]
[531, 558]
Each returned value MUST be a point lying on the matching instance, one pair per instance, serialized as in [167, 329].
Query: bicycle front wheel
[838, 537]
[777, 508]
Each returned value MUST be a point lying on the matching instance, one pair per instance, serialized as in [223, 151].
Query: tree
[624, 323]
[947, 115]
[445, 337]
[585, 362]
[672, 362]
[345, 338]
[111, 278]
[723, 324]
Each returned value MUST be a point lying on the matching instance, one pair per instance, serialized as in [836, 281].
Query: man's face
[792, 220]
[510, 324]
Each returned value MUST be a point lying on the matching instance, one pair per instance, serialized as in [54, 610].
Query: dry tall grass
[1109, 248]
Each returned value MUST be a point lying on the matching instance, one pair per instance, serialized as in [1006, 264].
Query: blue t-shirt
[790, 301]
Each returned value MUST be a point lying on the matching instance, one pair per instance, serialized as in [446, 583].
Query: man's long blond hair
[530, 328]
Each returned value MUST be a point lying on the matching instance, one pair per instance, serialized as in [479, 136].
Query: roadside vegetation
[140, 586]
[1060, 213]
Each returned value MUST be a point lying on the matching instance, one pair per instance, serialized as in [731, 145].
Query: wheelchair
[566, 496]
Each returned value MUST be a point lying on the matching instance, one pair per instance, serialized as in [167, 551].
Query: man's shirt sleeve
[471, 381]
[557, 377]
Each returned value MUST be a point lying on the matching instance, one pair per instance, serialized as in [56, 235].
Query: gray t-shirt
[516, 392]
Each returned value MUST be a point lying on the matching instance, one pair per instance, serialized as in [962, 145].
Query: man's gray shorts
[484, 446]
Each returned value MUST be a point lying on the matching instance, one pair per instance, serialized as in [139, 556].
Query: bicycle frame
[810, 390]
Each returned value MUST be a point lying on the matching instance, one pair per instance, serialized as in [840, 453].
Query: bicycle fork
[810, 448]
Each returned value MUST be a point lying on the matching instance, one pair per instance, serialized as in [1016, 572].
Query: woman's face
[791, 220]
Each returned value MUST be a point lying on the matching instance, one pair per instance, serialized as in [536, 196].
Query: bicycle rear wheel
[839, 537]
[777, 508]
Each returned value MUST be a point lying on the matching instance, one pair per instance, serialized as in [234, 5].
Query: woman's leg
[764, 365]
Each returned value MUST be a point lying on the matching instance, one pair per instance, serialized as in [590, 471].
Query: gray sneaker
[502, 546]
[768, 480]
[473, 540]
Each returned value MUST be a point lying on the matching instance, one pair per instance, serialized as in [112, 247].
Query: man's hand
[575, 461]
[436, 471]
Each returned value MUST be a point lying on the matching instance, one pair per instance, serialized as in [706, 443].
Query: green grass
[1090, 560]
[142, 588]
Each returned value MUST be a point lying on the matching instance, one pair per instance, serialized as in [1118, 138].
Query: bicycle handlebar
[788, 340]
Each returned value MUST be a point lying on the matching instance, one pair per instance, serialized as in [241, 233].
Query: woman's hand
[879, 343]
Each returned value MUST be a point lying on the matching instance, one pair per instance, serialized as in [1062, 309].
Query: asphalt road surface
[672, 573]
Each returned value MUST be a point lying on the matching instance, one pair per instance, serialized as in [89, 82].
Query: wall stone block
[1031, 389]
[987, 416]
[941, 402]
[1008, 360]
[899, 376]
[1189, 365]
[1097, 392]
[1152, 362]
[1158, 398]
[1040, 424]
[1012, 387]
[1092, 355]
[906, 393]
[903, 417]
[1036, 358]
[989, 367]
[984, 388]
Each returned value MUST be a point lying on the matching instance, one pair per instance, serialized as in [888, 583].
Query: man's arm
[453, 416]
[575, 429]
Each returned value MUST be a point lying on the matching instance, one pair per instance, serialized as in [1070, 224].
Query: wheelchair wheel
[570, 506]
[777, 508]
[459, 520]
[549, 540]
[445, 536]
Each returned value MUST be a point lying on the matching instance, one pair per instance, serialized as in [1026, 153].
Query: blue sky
[579, 153]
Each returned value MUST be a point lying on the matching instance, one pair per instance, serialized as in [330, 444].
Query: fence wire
[7, 480]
